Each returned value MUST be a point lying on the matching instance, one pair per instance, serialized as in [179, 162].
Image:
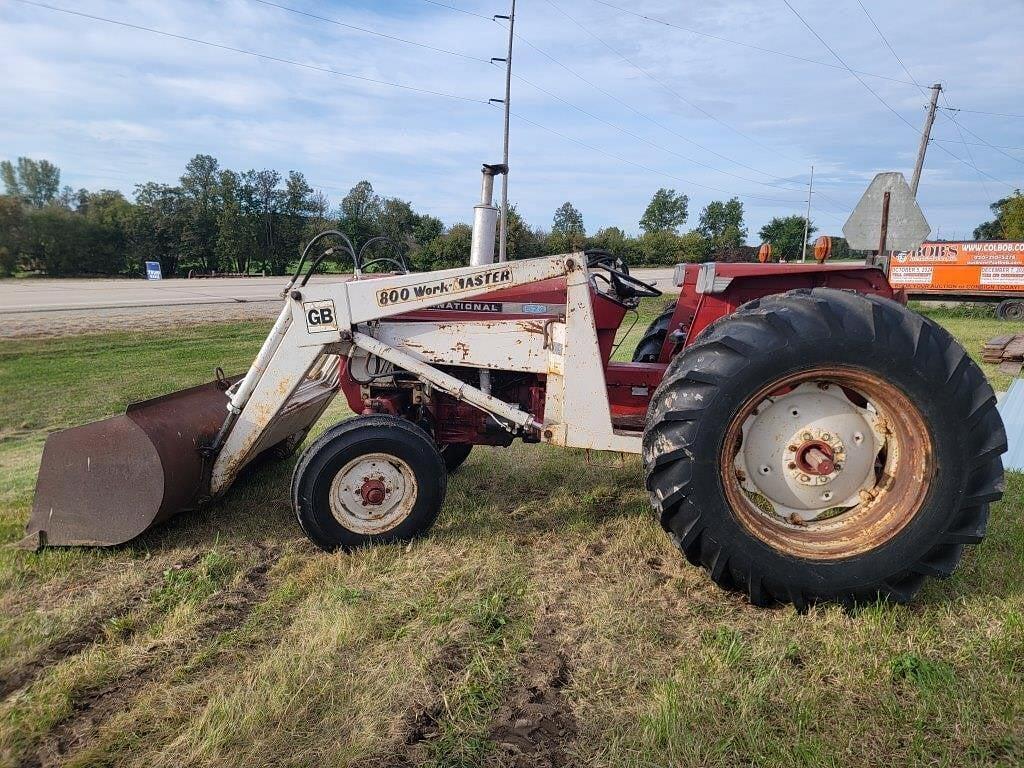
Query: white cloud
[115, 106]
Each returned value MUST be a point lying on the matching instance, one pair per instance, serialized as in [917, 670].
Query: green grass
[224, 638]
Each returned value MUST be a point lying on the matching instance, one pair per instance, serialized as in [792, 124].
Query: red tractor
[804, 435]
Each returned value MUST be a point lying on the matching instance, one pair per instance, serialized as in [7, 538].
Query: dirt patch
[92, 708]
[86, 634]
[535, 723]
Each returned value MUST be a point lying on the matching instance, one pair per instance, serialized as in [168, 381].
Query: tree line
[217, 220]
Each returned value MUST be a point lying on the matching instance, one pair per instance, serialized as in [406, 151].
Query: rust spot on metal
[884, 510]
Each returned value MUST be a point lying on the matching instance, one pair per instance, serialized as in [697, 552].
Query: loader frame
[322, 323]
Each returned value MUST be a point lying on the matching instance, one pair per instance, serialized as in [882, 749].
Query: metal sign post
[884, 233]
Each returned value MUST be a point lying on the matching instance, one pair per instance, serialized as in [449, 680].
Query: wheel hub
[809, 451]
[373, 493]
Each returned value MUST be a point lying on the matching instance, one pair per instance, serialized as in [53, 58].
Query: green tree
[786, 234]
[359, 213]
[236, 231]
[1013, 218]
[721, 223]
[106, 216]
[995, 229]
[567, 230]
[201, 191]
[156, 224]
[266, 203]
[610, 239]
[12, 231]
[524, 242]
[660, 247]
[295, 210]
[35, 182]
[666, 212]
[448, 250]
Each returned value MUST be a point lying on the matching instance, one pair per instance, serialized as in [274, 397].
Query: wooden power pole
[925, 138]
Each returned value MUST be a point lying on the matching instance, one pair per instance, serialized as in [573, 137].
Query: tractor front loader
[804, 435]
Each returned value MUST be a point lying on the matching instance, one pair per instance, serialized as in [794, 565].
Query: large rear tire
[368, 480]
[824, 445]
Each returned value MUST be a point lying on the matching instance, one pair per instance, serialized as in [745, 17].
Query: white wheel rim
[373, 493]
[785, 440]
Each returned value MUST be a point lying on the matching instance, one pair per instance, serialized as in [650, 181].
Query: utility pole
[807, 219]
[503, 229]
[925, 138]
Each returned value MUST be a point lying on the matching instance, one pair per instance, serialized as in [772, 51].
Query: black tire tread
[693, 379]
[648, 349]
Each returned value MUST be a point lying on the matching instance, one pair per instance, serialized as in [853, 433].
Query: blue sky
[649, 105]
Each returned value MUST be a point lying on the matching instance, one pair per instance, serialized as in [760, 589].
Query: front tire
[454, 454]
[368, 480]
[824, 445]
[648, 349]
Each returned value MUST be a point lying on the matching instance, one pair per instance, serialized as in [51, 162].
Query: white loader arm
[328, 319]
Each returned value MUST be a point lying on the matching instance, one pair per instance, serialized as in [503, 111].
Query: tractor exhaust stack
[485, 219]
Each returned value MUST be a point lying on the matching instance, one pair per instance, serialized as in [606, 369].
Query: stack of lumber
[1007, 351]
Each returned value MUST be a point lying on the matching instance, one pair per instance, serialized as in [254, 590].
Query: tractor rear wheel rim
[373, 493]
[827, 463]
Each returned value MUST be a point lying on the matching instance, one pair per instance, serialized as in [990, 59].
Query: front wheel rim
[827, 463]
[373, 493]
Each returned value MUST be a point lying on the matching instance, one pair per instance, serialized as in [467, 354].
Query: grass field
[546, 601]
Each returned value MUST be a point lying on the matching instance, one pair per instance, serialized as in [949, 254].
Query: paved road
[47, 307]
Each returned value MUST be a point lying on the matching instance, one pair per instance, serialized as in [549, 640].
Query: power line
[657, 80]
[460, 10]
[254, 54]
[741, 43]
[983, 141]
[375, 33]
[568, 103]
[891, 49]
[646, 117]
[641, 166]
[638, 137]
[967, 149]
[874, 93]
[981, 112]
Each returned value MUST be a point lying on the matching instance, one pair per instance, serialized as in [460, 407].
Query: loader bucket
[107, 482]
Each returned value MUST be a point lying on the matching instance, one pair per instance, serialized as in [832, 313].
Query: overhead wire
[254, 54]
[635, 164]
[537, 87]
[669, 89]
[874, 93]
[741, 43]
[281, 60]
[373, 32]
[779, 184]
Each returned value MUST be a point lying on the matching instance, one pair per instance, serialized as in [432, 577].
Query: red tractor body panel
[707, 292]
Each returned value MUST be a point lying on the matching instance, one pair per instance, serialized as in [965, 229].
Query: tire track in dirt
[533, 726]
[93, 707]
[86, 634]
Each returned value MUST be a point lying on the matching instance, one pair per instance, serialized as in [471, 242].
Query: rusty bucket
[106, 482]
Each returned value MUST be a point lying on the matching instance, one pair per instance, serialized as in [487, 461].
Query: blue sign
[153, 270]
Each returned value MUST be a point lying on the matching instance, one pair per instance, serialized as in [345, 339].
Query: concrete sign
[907, 226]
